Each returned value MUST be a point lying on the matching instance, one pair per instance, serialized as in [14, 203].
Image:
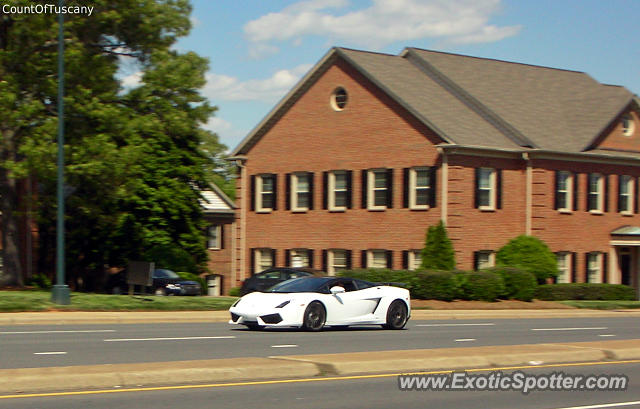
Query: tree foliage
[134, 157]
[530, 254]
[438, 253]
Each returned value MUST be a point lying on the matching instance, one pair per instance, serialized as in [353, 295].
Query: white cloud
[382, 23]
[217, 125]
[228, 88]
[132, 80]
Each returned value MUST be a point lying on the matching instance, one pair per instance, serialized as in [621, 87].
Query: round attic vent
[339, 99]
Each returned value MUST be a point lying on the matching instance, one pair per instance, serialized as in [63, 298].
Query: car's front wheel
[397, 315]
[314, 317]
[255, 327]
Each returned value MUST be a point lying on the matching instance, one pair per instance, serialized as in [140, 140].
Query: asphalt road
[60, 345]
[353, 393]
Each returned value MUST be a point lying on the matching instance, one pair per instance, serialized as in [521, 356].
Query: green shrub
[235, 292]
[530, 254]
[192, 277]
[518, 284]
[438, 253]
[436, 285]
[480, 285]
[40, 281]
[585, 291]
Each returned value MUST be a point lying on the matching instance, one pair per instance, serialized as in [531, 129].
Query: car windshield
[301, 285]
[162, 273]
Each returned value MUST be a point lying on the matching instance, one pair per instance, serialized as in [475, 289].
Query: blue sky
[259, 49]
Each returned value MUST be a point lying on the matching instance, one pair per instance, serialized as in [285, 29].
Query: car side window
[269, 275]
[363, 284]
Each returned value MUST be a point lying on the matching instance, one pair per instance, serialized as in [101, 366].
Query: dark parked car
[165, 282]
[272, 276]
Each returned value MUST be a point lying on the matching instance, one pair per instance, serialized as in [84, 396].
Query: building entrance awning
[628, 231]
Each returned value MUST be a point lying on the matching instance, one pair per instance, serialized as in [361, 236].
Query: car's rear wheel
[255, 327]
[314, 317]
[397, 315]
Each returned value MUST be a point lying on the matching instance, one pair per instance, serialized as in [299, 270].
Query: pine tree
[438, 253]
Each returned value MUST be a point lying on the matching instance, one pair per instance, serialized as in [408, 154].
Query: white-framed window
[339, 99]
[300, 258]
[338, 190]
[420, 188]
[594, 267]
[378, 182]
[486, 188]
[263, 259]
[265, 193]
[415, 259]
[214, 239]
[564, 267]
[628, 125]
[625, 194]
[484, 259]
[564, 190]
[337, 261]
[377, 259]
[595, 202]
[300, 191]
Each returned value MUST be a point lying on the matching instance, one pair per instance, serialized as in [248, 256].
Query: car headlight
[173, 286]
[283, 304]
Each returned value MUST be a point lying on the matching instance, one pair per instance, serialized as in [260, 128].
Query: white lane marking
[455, 325]
[284, 346]
[606, 335]
[50, 353]
[57, 332]
[604, 405]
[465, 340]
[568, 329]
[164, 339]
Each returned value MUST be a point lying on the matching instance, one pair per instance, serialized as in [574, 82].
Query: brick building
[368, 150]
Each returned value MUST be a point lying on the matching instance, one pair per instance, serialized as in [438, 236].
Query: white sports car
[313, 302]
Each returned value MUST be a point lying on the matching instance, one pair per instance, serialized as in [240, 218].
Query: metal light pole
[60, 293]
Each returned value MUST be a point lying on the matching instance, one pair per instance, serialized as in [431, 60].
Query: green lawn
[14, 301]
[603, 305]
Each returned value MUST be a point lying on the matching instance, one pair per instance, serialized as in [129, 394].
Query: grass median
[602, 305]
[18, 301]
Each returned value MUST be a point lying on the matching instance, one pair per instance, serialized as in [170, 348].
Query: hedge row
[584, 291]
[489, 285]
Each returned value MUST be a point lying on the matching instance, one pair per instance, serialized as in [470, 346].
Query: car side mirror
[337, 290]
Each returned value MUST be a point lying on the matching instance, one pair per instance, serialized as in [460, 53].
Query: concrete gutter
[148, 317]
[32, 380]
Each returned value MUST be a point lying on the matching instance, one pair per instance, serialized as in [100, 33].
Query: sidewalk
[125, 317]
[207, 372]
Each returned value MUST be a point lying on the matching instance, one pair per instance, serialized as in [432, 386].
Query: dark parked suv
[165, 282]
[272, 276]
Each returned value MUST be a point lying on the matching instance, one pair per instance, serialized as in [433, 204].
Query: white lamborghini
[313, 302]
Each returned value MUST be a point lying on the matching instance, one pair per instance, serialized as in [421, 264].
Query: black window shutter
[576, 179]
[556, 197]
[273, 258]
[605, 267]
[252, 267]
[325, 190]
[475, 261]
[476, 194]
[588, 206]
[499, 188]
[405, 187]
[252, 192]
[310, 257]
[310, 190]
[325, 261]
[287, 258]
[636, 192]
[389, 259]
[349, 255]
[287, 191]
[586, 267]
[363, 259]
[364, 188]
[606, 192]
[275, 191]
[349, 188]
[221, 238]
[433, 189]
[619, 193]
[574, 267]
[390, 188]
[405, 259]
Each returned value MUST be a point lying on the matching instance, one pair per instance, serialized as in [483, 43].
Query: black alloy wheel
[396, 315]
[314, 317]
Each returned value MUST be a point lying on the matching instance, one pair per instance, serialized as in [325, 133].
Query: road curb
[33, 380]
